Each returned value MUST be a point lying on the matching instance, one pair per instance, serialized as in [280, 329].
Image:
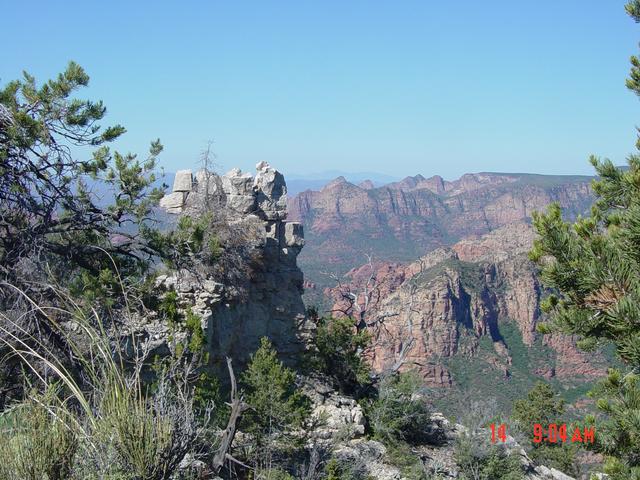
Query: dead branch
[238, 406]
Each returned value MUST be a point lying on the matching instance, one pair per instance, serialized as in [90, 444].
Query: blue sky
[397, 87]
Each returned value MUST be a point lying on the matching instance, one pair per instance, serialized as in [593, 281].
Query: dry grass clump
[107, 426]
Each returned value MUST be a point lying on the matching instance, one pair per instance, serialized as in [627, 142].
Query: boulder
[333, 416]
[293, 234]
[183, 181]
[544, 473]
[234, 182]
[173, 202]
[207, 183]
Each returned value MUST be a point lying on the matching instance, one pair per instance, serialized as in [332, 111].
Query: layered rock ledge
[268, 300]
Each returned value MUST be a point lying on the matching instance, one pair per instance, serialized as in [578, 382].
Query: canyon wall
[478, 299]
[404, 220]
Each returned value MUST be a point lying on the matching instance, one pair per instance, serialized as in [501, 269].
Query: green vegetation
[593, 267]
[402, 456]
[543, 407]
[277, 406]
[48, 211]
[105, 427]
[399, 417]
[38, 442]
[479, 460]
[192, 242]
[484, 380]
[338, 354]
[340, 470]
[399, 413]
[276, 403]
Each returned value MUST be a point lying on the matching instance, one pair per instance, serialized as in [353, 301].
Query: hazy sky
[397, 87]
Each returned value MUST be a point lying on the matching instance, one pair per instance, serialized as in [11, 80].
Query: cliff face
[477, 300]
[404, 220]
[267, 299]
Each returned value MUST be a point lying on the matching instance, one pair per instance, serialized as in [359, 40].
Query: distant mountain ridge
[380, 178]
[456, 251]
[404, 220]
[297, 183]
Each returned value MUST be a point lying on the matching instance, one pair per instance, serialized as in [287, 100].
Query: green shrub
[338, 353]
[273, 474]
[111, 426]
[542, 406]
[36, 443]
[276, 406]
[193, 325]
[618, 399]
[342, 470]
[168, 307]
[411, 467]
[477, 460]
[206, 395]
[399, 413]
[193, 240]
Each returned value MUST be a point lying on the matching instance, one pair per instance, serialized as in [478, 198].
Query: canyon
[463, 313]
[445, 267]
[404, 220]
[448, 260]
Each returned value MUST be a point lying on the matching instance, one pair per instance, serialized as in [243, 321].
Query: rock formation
[404, 220]
[271, 304]
[449, 300]
[370, 459]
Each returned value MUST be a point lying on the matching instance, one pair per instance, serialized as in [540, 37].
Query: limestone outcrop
[267, 300]
[333, 415]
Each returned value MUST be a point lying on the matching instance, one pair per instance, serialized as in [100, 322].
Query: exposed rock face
[183, 181]
[272, 304]
[334, 414]
[448, 300]
[366, 184]
[404, 220]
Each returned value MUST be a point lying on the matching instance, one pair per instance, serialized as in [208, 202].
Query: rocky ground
[342, 425]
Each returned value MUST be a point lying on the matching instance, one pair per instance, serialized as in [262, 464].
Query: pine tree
[76, 217]
[276, 405]
[53, 155]
[542, 406]
[593, 266]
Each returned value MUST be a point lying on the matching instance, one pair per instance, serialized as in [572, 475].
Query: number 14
[501, 433]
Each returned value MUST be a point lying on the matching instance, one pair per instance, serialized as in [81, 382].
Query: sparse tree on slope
[276, 405]
[542, 406]
[51, 220]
